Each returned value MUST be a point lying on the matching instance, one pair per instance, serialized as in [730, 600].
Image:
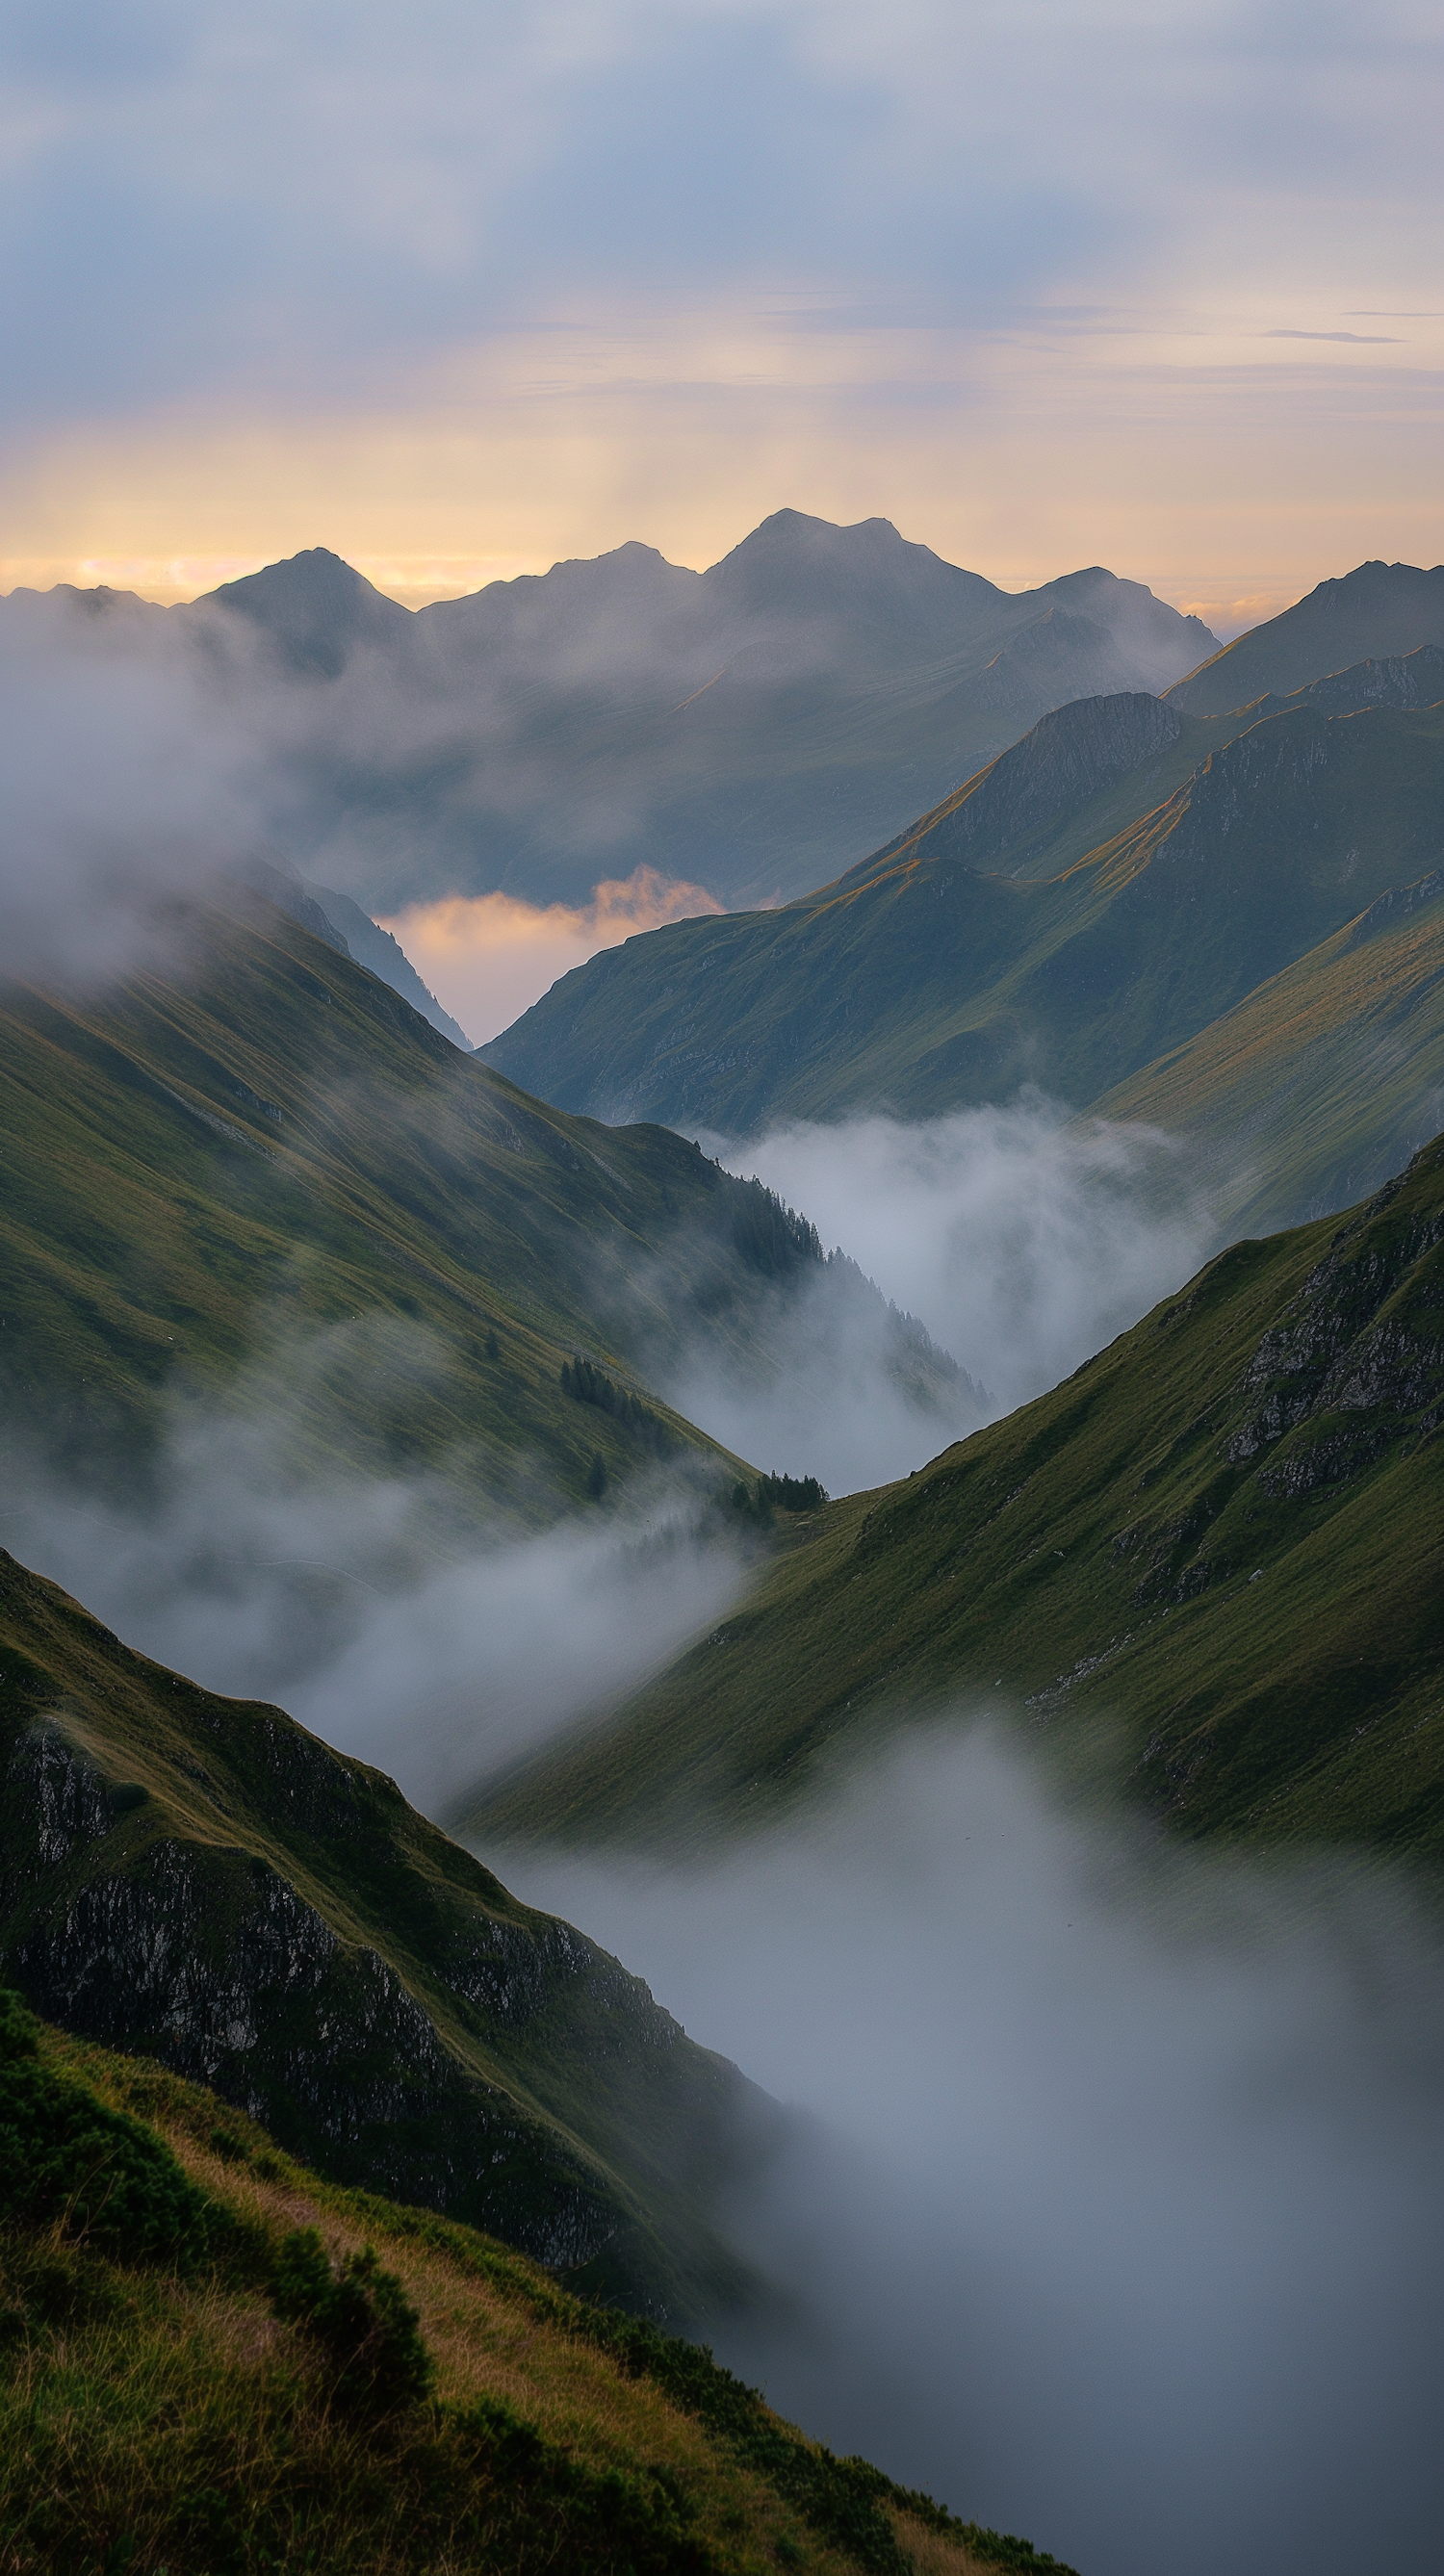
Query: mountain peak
[314, 606]
[1374, 613]
[796, 566]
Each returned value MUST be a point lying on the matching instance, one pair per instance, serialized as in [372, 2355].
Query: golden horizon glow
[1228, 470]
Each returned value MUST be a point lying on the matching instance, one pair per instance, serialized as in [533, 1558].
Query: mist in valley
[1110, 2210]
[1021, 1242]
[410, 1618]
[1110, 2213]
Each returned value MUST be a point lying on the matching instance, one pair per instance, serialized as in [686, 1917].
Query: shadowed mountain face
[748, 728]
[1211, 1558]
[1097, 897]
[1379, 609]
[316, 610]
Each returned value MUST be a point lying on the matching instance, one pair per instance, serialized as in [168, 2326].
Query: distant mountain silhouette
[316, 608]
[748, 728]
[1097, 897]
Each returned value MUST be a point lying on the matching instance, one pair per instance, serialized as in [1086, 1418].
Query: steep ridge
[379, 2390]
[1087, 771]
[381, 955]
[199, 1879]
[723, 727]
[1322, 1082]
[1209, 1565]
[923, 983]
[1377, 610]
[262, 1150]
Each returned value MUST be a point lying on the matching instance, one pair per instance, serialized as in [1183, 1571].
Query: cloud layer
[1114, 2216]
[1024, 1244]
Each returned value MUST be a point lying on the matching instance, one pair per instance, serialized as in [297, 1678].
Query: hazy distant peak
[797, 566]
[629, 582]
[315, 606]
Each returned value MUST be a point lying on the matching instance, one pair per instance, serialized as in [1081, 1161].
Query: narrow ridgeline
[1104, 894]
[254, 1175]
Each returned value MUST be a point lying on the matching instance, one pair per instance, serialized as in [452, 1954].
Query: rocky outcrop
[199, 1880]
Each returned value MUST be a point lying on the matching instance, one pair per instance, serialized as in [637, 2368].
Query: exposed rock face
[199, 1879]
[207, 1958]
[1353, 1368]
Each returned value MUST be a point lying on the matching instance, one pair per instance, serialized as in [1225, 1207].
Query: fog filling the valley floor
[1116, 2218]
[368, 1606]
[1023, 1245]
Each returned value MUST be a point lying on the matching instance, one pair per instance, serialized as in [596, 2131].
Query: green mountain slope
[927, 984]
[1378, 608]
[1212, 1561]
[265, 1151]
[1090, 769]
[200, 1879]
[1322, 1082]
[212, 2360]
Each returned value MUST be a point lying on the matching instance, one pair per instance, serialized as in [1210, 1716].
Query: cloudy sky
[463, 286]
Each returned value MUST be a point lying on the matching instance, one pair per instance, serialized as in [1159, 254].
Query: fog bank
[1118, 2223]
[1021, 1243]
[402, 1618]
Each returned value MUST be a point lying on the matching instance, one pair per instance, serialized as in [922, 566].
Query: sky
[468, 286]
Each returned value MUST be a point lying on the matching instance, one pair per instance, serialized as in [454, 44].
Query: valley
[469, 1405]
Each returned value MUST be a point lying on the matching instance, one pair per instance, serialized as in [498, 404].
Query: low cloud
[1022, 1244]
[488, 957]
[407, 1619]
[1113, 2218]
[129, 784]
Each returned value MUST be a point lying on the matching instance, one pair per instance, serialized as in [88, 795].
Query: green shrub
[66, 2159]
[612, 2522]
[361, 2315]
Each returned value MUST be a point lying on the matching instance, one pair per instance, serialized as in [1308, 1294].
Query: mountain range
[305, 2045]
[1116, 885]
[740, 728]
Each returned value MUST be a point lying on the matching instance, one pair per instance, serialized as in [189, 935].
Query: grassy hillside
[1378, 608]
[262, 1149]
[213, 2361]
[1213, 1560]
[201, 1879]
[1322, 1082]
[929, 984]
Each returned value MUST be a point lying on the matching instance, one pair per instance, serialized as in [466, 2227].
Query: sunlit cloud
[488, 957]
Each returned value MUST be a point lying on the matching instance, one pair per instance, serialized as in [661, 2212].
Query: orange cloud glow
[488, 957]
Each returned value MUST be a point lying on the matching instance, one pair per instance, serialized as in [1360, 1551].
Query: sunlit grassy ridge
[1322, 1082]
[1212, 1560]
[274, 2374]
